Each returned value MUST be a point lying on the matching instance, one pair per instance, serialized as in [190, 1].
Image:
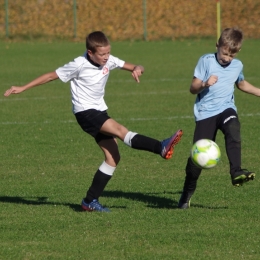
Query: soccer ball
[205, 153]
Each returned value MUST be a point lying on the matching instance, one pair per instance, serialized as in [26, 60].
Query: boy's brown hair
[232, 39]
[96, 39]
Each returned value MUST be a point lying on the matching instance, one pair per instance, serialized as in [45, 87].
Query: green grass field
[47, 162]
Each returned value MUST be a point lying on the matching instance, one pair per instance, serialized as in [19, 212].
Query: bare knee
[110, 150]
[111, 127]
[116, 157]
[113, 159]
[120, 131]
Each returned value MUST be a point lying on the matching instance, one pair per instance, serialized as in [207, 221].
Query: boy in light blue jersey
[214, 78]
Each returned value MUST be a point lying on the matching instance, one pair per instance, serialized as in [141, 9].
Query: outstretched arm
[248, 88]
[45, 78]
[137, 70]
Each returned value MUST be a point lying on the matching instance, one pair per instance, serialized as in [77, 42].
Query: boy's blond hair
[232, 39]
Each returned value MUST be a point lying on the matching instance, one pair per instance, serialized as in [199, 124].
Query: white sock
[107, 169]
[128, 138]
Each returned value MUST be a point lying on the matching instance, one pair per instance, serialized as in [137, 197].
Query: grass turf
[47, 162]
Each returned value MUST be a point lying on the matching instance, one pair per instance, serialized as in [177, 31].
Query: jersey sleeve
[70, 70]
[200, 69]
[115, 62]
[240, 77]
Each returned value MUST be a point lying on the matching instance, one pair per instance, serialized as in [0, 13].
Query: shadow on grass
[153, 200]
[38, 201]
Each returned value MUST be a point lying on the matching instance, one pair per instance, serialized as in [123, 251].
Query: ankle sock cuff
[128, 138]
[107, 169]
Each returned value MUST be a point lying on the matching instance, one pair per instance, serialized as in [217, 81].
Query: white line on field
[123, 94]
[130, 80]
[148, 80]
[118, 119]
[31, 98]
[114, 95]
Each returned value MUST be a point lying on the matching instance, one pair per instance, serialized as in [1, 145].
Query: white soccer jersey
[88, 82]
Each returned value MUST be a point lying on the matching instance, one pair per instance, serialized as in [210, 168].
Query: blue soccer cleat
[93, 206]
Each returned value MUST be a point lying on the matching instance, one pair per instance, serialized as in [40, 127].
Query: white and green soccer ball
[205, 154]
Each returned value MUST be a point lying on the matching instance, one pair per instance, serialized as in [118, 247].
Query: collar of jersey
[223, 66]
[93, 63]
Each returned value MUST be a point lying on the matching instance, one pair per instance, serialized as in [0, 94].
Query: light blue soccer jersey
[217, 98]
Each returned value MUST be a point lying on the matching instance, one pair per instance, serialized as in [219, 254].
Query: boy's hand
[137, 71]
[197, 85]
[211, 81]
[13, 90]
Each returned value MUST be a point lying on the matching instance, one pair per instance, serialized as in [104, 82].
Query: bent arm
[197, 85]
[248, 88]
[137, 70]
[45, 78]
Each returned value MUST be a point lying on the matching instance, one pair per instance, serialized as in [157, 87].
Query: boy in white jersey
[214, 78]
[88, 75]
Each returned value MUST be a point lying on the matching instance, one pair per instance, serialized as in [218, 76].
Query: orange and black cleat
[168, 145]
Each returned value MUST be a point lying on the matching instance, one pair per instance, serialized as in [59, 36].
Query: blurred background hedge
[126, 20]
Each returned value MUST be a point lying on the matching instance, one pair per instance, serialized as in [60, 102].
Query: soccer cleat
[168, 145]
[241, 176]
[184, 202]
[93, 206]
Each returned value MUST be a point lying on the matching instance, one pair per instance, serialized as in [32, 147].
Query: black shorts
[91, 121]
[209, 127]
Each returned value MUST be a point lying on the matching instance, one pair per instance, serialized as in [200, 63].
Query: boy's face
[224, 55]
[101, 55]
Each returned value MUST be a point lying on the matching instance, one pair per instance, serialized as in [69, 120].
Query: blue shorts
[91, 121]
